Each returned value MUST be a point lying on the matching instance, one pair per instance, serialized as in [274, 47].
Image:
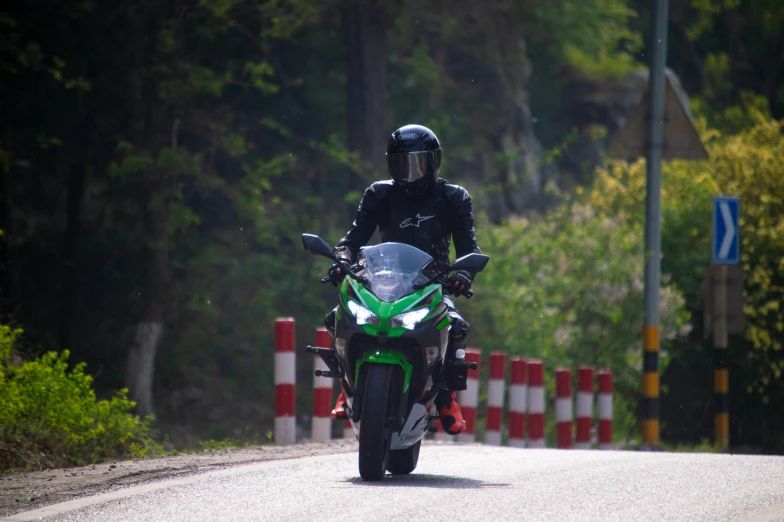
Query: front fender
[380, 356]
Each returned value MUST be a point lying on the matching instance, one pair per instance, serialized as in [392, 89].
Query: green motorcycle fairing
[384, 311]
[387, 357]
[430, 297]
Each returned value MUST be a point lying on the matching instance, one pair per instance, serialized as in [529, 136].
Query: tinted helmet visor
[409, 167]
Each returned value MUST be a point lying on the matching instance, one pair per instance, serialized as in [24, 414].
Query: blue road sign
[726, 231]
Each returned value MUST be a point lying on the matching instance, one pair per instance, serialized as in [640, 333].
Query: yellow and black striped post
[721, 378]
[650, 386]
[722, 389]
[655, 145]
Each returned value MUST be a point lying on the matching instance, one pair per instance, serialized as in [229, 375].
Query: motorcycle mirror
[315, 245]
[475, 262]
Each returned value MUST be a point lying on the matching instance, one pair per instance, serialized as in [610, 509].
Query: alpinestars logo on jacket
[414, 221]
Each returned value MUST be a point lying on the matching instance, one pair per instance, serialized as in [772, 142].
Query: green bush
[567, 287]
[50, 416]
[748, 165]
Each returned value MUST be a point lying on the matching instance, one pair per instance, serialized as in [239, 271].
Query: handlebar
[348, 273]
[442, 280]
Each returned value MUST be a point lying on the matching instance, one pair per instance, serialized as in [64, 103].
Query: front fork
[329, 356]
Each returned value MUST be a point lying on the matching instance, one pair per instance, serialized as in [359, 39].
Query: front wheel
[403, 462]
[373, 433]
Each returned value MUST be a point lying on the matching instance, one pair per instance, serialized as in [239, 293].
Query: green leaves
[259, 73]
[593, 37]
[567, 287]
[747, 165]
[131, 165]
[47, 410]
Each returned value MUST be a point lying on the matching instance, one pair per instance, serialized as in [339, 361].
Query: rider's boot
[340, 407]
[449, 412]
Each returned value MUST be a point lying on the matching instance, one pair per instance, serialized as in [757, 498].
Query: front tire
[403, 462]
[373, 433]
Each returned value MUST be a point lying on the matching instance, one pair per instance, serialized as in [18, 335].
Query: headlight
[363, 315]
[408, 320]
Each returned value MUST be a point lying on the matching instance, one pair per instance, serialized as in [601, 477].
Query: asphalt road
[460, 482]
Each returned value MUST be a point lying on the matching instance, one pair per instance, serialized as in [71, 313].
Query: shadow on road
[428, 481]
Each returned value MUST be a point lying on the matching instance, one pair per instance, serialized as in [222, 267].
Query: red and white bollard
[495, 398]
[468, 399]
[605, 409]
[535, 404]
[584, 407]
[563, 407]
[285, 379]
[322, 394]
[517, 402]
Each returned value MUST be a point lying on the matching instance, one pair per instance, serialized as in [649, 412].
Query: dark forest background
[159, 160]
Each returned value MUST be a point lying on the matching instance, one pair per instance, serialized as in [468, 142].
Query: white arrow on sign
[729, 230]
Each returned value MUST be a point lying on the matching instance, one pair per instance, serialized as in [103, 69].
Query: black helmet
[414, 158]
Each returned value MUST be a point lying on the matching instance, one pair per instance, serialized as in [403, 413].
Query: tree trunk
[146, 124]
[149, 330]
[365, 25]
[73, 227]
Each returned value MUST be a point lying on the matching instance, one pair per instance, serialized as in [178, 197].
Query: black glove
[459, 283]
[336, 274]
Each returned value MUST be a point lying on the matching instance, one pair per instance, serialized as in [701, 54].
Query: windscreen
[393, 269]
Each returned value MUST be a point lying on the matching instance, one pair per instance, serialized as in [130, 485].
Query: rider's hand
[459, 283]
[336, 274]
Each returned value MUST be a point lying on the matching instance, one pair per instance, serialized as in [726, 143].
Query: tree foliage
[729, 49]
[536, 301]
[746, 165]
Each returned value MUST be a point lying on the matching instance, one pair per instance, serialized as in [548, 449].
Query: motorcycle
[389, 349]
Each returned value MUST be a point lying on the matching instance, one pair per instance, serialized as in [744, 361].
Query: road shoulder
[35, 489]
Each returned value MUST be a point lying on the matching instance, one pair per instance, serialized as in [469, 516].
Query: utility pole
[650, 383]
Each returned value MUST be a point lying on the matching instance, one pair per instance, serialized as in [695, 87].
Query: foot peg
[329, 352]
[329, 356]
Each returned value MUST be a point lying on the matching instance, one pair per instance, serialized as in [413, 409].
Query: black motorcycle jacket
[426, 222]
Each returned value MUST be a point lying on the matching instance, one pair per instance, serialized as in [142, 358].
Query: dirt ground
[35, 489]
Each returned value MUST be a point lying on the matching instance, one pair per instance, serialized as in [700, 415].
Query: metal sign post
[650, 382]
[726, 252]
[660, 127]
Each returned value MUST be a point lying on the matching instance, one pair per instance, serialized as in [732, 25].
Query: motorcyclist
[418, 208]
